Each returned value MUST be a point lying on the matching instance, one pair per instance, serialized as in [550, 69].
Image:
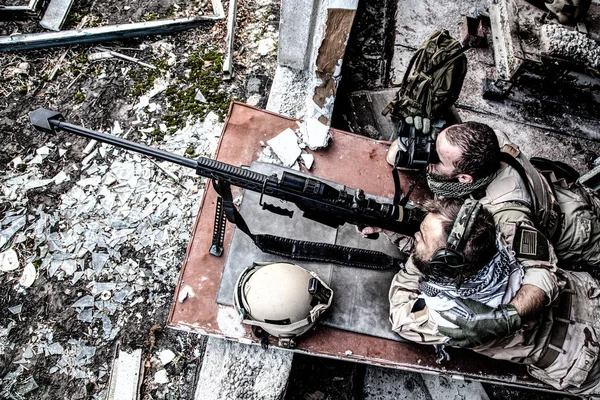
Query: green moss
[78, 98]
[144, 78]
[74, 19]
[150, 17]
[190, 152]
[205, 76]
[205, 68]
[157, 134]
[95, 21]
[22, 89]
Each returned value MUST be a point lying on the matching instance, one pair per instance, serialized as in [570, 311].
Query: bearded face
[431, 237]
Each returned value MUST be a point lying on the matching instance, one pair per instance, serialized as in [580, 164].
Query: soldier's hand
[367, 230]
[421, 124]
[478, 323]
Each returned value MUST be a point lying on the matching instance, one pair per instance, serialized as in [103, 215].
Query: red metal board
[357, 162]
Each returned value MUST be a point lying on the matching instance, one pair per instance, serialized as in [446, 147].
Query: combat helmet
[280, 299]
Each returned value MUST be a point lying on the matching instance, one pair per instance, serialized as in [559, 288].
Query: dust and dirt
[59, 336]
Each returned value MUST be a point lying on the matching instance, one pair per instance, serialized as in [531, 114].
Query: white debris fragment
[161, 377]
[285, 146]
[84, 302]
[160, 85]
[43, 151]
[91, 181]
[90, 146]
[62, 152]
[143, 103]
[9, 260]
[28, 277]
[166, 356]
[266, 46]
[21, 69]
[348, 352]
[14, 227]
[229, 322]
[308, 160]
[17, 161]
[200, 97]
[34, 184]
[116, 129]
[16, 309]
[100, 55]
[61, 177]
[315, 134]
[185, 292]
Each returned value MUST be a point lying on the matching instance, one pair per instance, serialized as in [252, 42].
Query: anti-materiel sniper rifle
[318, 200]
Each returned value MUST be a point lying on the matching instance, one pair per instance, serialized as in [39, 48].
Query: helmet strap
[262, 335]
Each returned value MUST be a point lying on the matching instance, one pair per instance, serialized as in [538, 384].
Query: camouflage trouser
[576, 368]
[579, 239]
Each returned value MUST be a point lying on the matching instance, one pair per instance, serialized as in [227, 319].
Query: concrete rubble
[561, 42]
[122, 200]
[235, 371]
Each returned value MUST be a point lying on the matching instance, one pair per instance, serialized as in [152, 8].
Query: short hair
[480, 149]
[481, 243]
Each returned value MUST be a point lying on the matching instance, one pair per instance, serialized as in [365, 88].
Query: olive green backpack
[433, 80]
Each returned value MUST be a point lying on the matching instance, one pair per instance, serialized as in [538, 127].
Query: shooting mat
[360, 296]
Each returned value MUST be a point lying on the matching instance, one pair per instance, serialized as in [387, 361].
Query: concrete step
[231, 370]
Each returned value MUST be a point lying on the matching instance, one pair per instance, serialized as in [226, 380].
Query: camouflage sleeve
[409, 316]
[403, 242]
[539, 264]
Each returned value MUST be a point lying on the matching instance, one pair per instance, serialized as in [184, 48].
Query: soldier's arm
[529, 300]
[539, 286]
[409, 315]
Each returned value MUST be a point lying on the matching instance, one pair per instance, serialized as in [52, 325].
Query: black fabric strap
[560, 327]
[305, 250]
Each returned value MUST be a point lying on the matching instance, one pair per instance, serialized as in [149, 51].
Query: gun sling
[302, 249]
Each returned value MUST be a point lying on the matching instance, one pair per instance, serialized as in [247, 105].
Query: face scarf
[494, 284]
[443, 188]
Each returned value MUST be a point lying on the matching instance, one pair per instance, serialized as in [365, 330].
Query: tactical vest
[545, 208]
[533, 190]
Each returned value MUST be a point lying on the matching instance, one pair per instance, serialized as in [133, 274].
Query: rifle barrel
[124, 143]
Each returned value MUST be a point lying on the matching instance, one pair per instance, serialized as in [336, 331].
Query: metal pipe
[31, 41]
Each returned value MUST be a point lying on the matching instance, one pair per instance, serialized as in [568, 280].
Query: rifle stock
[318, 200]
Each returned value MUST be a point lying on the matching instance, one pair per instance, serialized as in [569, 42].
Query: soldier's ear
[465, 178]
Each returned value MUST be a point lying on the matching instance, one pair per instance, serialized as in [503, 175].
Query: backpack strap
[450, 58]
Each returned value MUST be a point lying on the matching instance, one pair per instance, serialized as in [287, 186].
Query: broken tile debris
[120, 201]
[285, 147]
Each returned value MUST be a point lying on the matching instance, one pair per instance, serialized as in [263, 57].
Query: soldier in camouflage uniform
[470, 166]
[559, 344]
